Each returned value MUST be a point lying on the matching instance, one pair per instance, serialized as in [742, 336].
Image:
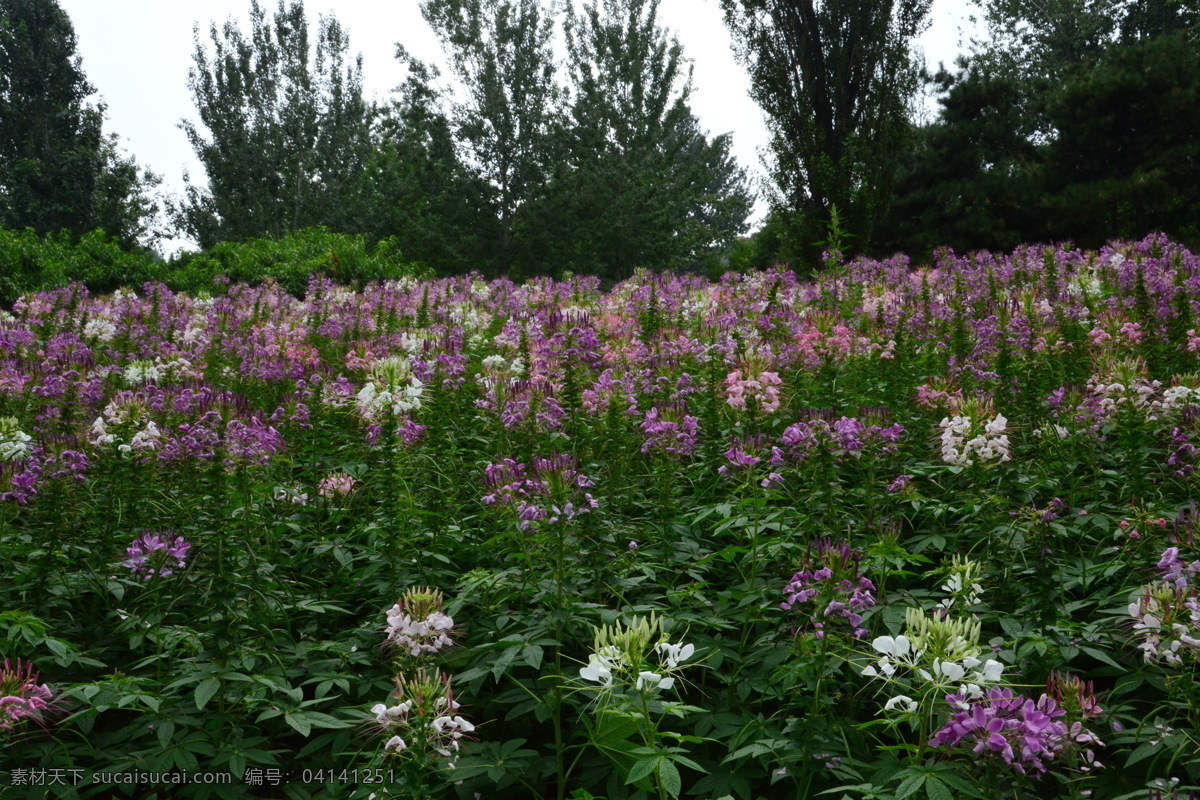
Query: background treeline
[1074, 119]
[1080, 121]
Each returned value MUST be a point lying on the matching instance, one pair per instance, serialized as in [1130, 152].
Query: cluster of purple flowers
[846, 437]
[21, 696]
[1023, 732]
[830, 588]
[156, 554]
[549, 489]
[671, 430]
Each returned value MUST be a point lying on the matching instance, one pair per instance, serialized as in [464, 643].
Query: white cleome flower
[905, 702]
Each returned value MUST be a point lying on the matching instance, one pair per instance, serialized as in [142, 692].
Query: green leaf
[910, 785]
[299, 721]
[668, 773]
[1144, 751]
[165, 731]
[205, 691]
[936, 790]
[320, 720]
[503, 661]
[643, 768]
[1100, 655]
[532, 655]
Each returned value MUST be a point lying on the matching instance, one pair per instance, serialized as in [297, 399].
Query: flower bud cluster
[417, 625]
[421, 720]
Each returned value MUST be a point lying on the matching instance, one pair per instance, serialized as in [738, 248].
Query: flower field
[893, 531]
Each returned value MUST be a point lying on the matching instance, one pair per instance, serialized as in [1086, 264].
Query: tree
[1125, 160]
[288, 138]
[971, 178]
[834, 78]
[640, 184]
[500, 50]
[57, 169]
[433, 203]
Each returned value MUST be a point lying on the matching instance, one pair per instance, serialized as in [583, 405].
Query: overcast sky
[137, 54]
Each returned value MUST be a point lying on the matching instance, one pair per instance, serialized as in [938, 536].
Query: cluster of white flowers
[498, 363]
[1174, 400]
[944, 653]
[372, 400]
[140, 372]
[961, 448]
[148, 438]
[961, 585]
[418, 636]
[102, 329]
[156, 371]
[14, 443]
[1168, 640]
[623, 653]
[392, 388]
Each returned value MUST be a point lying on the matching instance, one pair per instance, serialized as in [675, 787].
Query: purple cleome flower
[155, 554]
[830, 587]
[21, 697]
[1025, 733]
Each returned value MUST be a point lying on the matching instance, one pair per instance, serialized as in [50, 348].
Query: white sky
[137, 54]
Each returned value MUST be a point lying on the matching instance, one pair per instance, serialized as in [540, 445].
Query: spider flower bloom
[830, 586]
[155, 554]
[1024, 733]
[21, 697]
[336, 484]
[14, 443]
[417, 624]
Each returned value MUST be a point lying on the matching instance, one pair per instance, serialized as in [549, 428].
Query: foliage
[834, 79]
[287, 136]
[290, 261]
[1125, 155]
[57, 169]
[639, 183]
[32, 262]
[435, 203]
[500, 50]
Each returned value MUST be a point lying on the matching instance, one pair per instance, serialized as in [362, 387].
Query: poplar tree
[286, 132]
[501, 52]
[643, 184]
[835, 78]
